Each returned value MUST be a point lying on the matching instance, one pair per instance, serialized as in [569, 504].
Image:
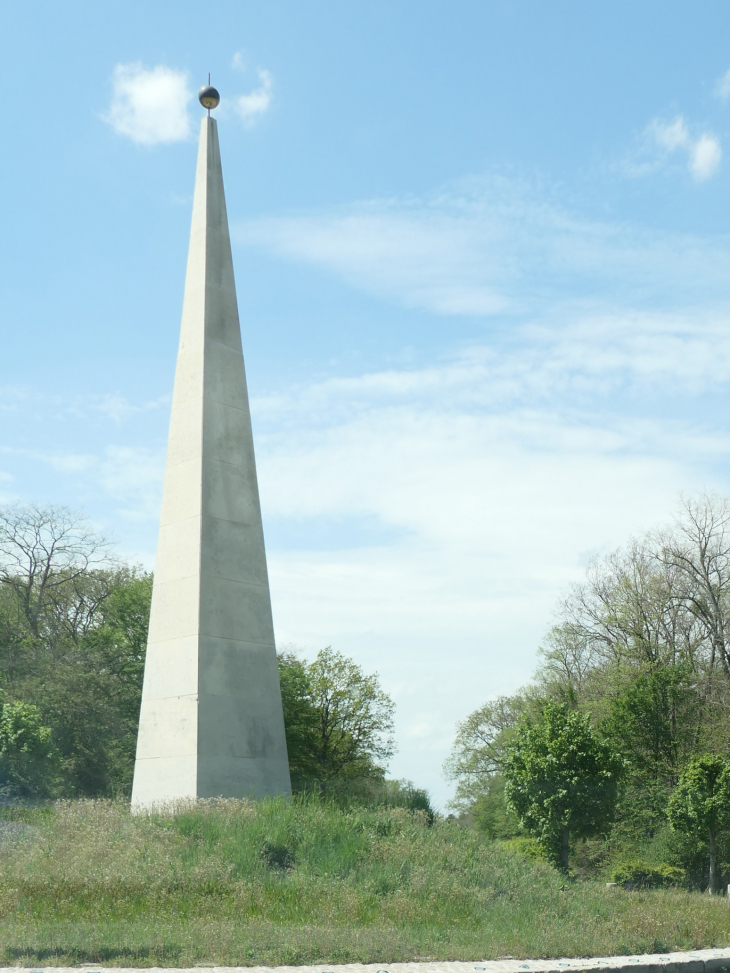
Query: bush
[529, 847]
[645, 875]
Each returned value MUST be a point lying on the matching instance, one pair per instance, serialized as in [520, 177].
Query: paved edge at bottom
[693, 961]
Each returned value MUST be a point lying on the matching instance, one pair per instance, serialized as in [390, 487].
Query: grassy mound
[236, 883]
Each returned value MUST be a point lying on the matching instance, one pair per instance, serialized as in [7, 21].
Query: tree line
[617, 754]
[73, 634]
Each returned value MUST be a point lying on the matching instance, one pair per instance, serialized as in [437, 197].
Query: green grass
[235, 883]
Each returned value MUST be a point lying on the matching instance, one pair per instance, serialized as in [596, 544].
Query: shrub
[529, 847]
[645, 875]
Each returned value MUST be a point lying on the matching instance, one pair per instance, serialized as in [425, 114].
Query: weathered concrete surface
[211, 722]
[696, 961]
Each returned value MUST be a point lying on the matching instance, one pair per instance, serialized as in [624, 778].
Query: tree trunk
[713, 865]
[564, 848]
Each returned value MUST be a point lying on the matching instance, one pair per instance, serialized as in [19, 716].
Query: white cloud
[252, 106]
[722, 88]
[670, 135]
[703, 153]
[238, 62]
[150, 106]
[492, 246]
[571, 362]
[705, 157]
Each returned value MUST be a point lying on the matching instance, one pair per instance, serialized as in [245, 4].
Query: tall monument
[211, 721]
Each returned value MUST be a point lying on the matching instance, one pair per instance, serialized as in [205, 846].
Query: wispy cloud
[119, 409]
[494, 246]
[670, 135]
[703, 153]
[569, 364]
[252, 106]
[722, 87]
[150, 105]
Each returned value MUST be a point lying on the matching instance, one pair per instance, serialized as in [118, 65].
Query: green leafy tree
[355, 719]
[92, 698]
[561, 779]
[338, 720]
[301, 718]
[28, 760]
[655, 722]
[700, 805]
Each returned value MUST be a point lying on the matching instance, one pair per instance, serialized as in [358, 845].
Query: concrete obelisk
[211, 721]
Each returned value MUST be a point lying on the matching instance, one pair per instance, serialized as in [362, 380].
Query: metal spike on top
[208, 96]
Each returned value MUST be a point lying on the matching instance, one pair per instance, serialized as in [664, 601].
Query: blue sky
[483, 270]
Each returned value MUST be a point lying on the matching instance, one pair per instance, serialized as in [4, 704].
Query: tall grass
[237, 883]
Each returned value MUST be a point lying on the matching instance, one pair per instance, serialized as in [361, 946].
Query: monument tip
[209, 97]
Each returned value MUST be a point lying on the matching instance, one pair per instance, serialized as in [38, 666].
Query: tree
[28, 760]
[300, 718]
[643, 644]
[338, 721]
[73, 632]
[700, 805]
[561, 779]
[355, 718]
[89, 689]
[478, 753]
[43, 550]
[699, 549]
[654, 723]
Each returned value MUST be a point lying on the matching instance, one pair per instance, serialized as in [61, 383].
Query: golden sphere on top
[209, 97]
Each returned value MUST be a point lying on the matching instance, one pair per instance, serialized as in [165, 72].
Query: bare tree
[698, 549]
[44, 553]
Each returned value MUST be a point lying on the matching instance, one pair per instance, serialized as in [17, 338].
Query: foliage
[478, 753]
[73, 631]
[300, 718]
[700, 805]
[561, 779]
[529, 847]
[642, 643]
[28, 760]
[338, 720]
[490, 812]
[653, 721]
[645, 875]
[701, 801]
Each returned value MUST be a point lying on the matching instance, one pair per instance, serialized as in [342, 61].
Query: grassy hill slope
[236, 883]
